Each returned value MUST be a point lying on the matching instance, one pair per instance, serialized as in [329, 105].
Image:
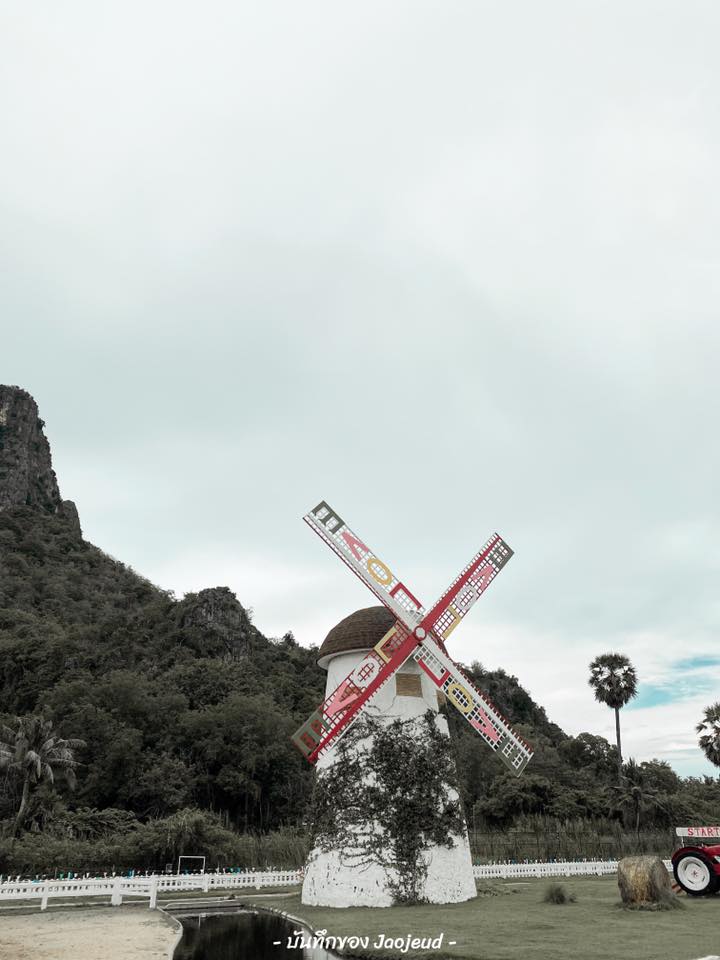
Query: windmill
[415, 636]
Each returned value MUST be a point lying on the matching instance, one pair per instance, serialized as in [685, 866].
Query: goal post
[184, 857]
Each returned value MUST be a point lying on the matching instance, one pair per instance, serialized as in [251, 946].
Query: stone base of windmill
[330, 882]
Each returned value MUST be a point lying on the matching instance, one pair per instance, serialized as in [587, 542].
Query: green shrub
[151, 846]
[556, 893]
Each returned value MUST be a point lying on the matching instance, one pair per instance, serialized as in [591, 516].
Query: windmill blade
[375, 574]
[413, 626]
[480, 713]
[467, 588]
[334, 716]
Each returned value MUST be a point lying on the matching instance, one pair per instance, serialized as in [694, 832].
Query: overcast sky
[451, 266]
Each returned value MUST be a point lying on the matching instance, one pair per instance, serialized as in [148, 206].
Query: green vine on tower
[390, 796]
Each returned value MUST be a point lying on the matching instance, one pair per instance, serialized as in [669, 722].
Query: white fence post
[45, 892]
[116, 896]
[153, 893]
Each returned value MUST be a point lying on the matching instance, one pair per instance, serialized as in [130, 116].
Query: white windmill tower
[390, 662]
[332, 878]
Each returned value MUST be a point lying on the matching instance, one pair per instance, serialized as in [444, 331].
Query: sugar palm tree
[34, 753]
[614, 681]
[709, 727]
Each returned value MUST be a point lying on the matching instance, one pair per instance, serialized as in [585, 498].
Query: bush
[556, 893]
[152, 845]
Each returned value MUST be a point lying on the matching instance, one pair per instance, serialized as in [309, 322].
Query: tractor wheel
[694, 872]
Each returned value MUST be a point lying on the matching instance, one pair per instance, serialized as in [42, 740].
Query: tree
[591, 753]
[709, 727]
[614, 681]
[637, 794]
[509, 796]
[661, 776]
[33, 752]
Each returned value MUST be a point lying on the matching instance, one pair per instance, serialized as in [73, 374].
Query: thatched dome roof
[360, 631]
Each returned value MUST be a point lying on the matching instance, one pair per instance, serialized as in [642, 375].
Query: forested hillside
[180, 702]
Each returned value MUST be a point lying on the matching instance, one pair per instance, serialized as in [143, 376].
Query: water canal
[243, 935]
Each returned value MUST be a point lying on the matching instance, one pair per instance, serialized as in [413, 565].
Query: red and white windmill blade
[416, 633]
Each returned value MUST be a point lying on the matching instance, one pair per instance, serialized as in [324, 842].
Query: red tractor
[697, 865]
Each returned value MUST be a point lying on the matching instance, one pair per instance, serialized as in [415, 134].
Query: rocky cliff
[26, 474]
[219, 620]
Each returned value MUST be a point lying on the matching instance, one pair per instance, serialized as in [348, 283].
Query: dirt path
[120, 933]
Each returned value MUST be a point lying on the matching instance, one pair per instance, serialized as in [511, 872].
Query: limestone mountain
[26, 473]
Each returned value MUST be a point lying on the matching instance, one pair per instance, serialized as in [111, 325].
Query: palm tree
[33, 752]
[636, 794]
[614, 681]
[710, 728]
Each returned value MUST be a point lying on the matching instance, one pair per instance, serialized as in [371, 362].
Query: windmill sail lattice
[416, 633]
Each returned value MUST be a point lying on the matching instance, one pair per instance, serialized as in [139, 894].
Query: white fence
[118, 887]
[230, 881]
[114, 887]
[569, 868]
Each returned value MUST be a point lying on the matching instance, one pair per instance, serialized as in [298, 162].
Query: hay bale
[643, 880]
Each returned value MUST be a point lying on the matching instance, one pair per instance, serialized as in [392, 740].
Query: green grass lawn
[516, 925]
